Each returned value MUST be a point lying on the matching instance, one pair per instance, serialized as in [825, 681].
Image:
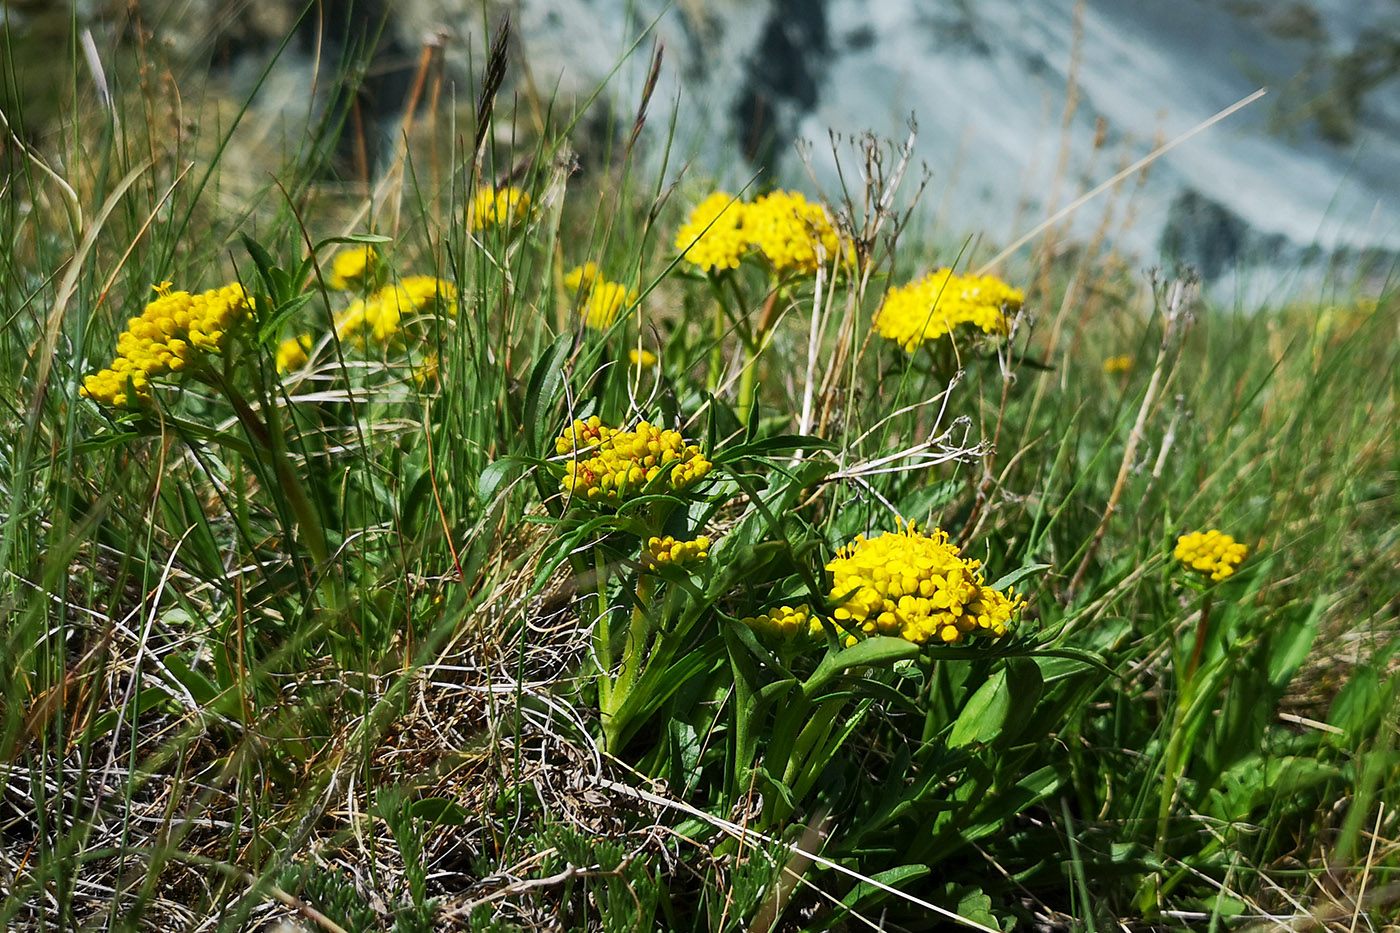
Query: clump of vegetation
[586, 554]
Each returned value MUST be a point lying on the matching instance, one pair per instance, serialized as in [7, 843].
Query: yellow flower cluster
[793, 234]
[167, 336]
[931, 307]
[602, 300]
[610, 465]
[1115, 365]
[642, 359]
[292, 353]
[352, 267]
[1214, 554]
[667, 550]
[383, 311]
[915, 587]
[785, 622]
[713, 236]
[499, 208]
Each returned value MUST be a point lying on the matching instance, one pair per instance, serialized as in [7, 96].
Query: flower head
[168, 335]
[1211, 553]
[793, 234]
[916, 587]
[714, 235]
[667, 551]
[1117, 364]
[785, 622]
[642, 359]
[610, 465]
[934, 305]
[602, 300]
[353, 267]
[504, 208]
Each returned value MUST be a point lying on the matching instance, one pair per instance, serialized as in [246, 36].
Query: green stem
[637, 636]
[716, 349]
[271, 448]
[747, 381]
[602, 643]
[1175, 758]
[754, 345]
[812, 735]
[931, 717]
[1200, 645]
[721, 312]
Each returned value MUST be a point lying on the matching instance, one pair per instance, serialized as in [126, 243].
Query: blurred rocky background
[1020, 107]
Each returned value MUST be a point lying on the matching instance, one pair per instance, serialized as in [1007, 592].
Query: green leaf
[440, 811]
[657, 685]
[498, 473]
[976, 906]
[97, 444]
[263, 260]
[865, 891]
[1357, 707]
[1291, 646]
[144, 701]
[270, 332]
[1024, 685]
[1073, 654]
[372, 239]
[200, 687]
[881, 651]
[545, 384]
[1016, 576]
[1053, 669]
[982, 719]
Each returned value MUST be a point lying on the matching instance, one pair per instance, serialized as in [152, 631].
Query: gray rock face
[1306, 175]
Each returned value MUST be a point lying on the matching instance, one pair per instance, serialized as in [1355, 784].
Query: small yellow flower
[505, 208]
[352, 267]
[785, 622]
[668, 551]
[1210, 553]
[713, 236]
[1117, 364]
[642, 359]
[609, 465]
[933, 306]
[916, 587]
[292, 354]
